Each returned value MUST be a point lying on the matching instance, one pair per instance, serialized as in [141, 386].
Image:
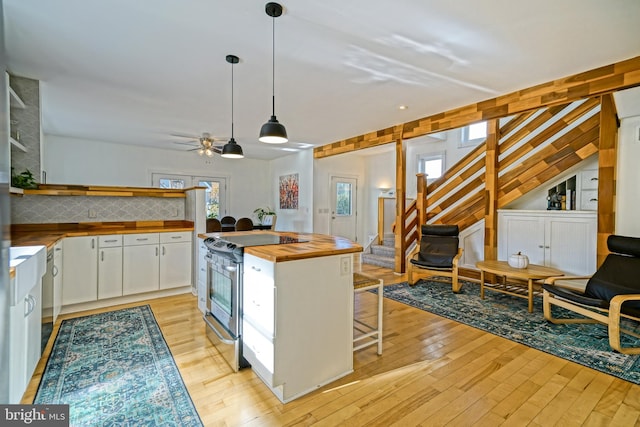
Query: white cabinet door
[521, 233]
[110, 272]
[57, 280]
[140, 269]
[80, 270]
[202, 276]
[175, 265]
[175, 259]
[572, 244]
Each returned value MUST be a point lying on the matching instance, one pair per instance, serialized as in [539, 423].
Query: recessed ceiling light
[403, 107]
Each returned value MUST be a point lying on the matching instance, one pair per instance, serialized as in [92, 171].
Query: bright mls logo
[34, 415]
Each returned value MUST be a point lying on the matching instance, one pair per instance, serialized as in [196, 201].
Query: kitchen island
[297, 322]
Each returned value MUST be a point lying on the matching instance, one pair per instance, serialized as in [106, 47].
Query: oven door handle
[217, 332]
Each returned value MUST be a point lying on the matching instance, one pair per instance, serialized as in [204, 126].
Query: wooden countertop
[318, 245]
[49, 234]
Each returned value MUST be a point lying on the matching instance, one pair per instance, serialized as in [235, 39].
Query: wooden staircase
[521, 153]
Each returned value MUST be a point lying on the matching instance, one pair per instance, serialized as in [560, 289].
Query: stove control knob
[231, 246]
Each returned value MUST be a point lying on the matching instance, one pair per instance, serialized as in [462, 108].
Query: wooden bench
[371, 334]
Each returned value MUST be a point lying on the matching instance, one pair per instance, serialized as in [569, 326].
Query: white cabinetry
[298, 322]
[589, 190]
[57, 279]
[175, 259]
[109, 266]
[565, 240]
[141, 263]
[80, 270]
[202, 276]
[25, 320]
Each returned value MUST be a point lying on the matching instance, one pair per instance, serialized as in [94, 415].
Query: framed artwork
[289, 191]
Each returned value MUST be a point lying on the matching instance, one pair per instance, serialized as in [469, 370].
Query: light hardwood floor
[433, 371]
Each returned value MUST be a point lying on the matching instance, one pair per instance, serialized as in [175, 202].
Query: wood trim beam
[491, 191]
[607, 163]
[599, 81]
[401, 193]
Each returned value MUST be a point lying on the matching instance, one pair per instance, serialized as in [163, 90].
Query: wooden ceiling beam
[599, 81]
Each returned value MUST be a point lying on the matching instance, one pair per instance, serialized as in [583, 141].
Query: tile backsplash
[62, 209]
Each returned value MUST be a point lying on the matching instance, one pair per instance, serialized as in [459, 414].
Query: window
[343, 198]
[473, 134]
[432, 165]
[215, 187]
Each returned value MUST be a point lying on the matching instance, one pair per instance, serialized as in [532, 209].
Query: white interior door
[343, 207]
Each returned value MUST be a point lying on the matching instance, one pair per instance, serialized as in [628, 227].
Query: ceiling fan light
[208, 152]
[201, 151]
[232, 150]
[273, 132]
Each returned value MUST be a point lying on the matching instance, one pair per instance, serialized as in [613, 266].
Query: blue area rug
[507, 316]
[115, 369]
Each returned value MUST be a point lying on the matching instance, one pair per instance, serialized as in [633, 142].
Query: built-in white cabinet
[565, 240]
[298, 322]
[57, 279]
[25, 320]
[175, 259]
[80, 269]
[202, 276]
[141, 265]
[109, 266]
[589, 190]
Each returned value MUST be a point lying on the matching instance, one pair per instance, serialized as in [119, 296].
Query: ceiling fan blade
[182, 135]
[195, 141]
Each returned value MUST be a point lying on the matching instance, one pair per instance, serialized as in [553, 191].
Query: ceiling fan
[204, 145]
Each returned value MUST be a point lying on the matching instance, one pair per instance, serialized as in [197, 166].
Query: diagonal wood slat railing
[533, 148]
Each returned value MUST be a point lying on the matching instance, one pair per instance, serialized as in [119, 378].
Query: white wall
[380, 172]
[84, 162]
[301, 219]
[627, 188]
[443, 142]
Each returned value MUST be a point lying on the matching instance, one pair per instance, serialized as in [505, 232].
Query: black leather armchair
[612, 293]
[437, 254]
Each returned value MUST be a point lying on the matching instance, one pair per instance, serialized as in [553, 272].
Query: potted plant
[24, 179]
[262, 212]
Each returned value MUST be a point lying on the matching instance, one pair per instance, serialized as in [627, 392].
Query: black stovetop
[260, 239]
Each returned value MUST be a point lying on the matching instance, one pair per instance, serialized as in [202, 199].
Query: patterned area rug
[507, 316]
[115, 368]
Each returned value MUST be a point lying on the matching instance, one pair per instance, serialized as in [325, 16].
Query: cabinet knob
[593, 200]
[540, 246]
[594, 179]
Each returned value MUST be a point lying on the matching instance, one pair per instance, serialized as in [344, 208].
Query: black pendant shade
[273, 132]
[232, 150]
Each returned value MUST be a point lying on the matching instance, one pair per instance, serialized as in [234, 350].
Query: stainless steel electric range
[225, 291]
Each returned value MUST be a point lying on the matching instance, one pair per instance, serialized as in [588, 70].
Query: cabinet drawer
[259, 305]
[253, 264]
[141, 239]
[174, 237]
[589, 200]
[258, 350]
[589, 179]
[110, 241]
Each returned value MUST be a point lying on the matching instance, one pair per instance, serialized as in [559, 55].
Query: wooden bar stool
[372, 334]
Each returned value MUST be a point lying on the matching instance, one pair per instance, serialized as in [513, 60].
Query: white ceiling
[135, 72]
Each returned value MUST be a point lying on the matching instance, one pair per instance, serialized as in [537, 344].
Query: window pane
[171, 183]
[433, 168]
[212, 198]
[343, 201]
[478, 130]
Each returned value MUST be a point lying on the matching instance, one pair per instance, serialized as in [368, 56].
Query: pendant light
[273, 132]
[232, 149]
